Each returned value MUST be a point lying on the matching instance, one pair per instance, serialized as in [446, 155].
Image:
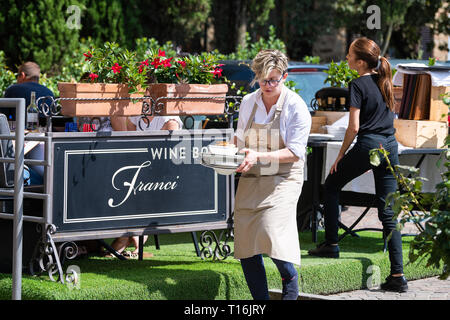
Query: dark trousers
[352, 165]
[255, 275]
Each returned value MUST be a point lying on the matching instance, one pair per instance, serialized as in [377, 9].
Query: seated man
[27, 81]
[139, 124]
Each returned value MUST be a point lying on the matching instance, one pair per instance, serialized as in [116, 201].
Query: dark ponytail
[368, 51]
[385, 82]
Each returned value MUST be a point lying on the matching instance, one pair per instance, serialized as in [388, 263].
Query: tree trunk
[241, 21]
[387, 39]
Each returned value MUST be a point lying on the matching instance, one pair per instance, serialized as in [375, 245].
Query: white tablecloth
[438, 78]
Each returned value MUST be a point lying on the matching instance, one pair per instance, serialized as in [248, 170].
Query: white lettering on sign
[134, 186]
[168, 153]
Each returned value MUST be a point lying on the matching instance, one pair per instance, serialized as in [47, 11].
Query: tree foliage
[104, 20]
[178, 21]
[301, 22]
[232, 20]
[36, 30]
[400, 19]
[405, 40]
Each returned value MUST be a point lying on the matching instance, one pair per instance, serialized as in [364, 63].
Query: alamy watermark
[374, 20]
[375, 279]
[73, 277]
[74, 20]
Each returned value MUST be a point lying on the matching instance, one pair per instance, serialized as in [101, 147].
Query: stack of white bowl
[222, 157]
[337, 131]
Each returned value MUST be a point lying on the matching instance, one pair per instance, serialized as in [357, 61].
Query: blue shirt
[23, 90]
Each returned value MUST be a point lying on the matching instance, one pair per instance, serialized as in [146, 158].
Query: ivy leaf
[375, 159]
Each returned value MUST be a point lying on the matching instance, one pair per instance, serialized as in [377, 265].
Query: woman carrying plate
[273, 128]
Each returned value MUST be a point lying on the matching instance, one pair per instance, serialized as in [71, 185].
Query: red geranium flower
[156, 63]
[116, 68]
[166, 63]
[88, 56]
[93, 76]
[182, 63]
[217, 72]
[161, 53]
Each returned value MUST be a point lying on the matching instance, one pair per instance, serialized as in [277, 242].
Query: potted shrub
[113, 72]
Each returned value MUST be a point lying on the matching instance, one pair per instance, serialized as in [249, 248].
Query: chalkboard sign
[135, 180]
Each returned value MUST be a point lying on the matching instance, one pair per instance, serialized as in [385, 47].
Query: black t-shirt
[23, 90]
[375, 116]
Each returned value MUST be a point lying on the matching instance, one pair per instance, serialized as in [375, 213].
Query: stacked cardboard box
[421, 111]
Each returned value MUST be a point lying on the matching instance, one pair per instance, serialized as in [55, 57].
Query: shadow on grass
[368, 250]
[163, 279]
[361, 244]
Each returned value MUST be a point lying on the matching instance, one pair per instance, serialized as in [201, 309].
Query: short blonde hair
[266, 61]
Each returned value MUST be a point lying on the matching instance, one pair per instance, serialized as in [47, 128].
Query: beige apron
[266, 199]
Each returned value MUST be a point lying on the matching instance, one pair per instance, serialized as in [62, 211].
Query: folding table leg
[194, 239]
[350, 230]
[156, 242]
[111, 249]
[141, 248]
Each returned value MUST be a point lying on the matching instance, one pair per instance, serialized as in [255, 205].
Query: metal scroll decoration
[217, 247]
[213, 247]
[48, 258]
[150, 107]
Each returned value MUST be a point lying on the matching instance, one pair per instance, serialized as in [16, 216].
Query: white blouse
[295, 119]
[156, 124]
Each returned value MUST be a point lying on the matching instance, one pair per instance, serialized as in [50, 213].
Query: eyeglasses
[271, 83]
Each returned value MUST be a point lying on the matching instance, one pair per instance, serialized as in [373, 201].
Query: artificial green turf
[175, 272]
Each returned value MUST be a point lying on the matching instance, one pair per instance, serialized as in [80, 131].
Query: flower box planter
[158, 91]
[91, 108]
[180, 107]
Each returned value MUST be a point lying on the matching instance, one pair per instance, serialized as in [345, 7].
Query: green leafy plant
[312, 59]
[7, 77]
[112, 64]
[250, 48]
[432, 210]
[446, 98]
[145, 47]
[339, 75]
[290, 84]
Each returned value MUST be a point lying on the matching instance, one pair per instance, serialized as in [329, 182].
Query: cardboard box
[398, 94]
[317, 124]
[438, 109]
[332, 116]
[420, 133]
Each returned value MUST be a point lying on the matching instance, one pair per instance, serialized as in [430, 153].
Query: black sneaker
[325, 250]
[396, 284]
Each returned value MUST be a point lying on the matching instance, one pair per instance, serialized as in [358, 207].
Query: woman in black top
[372, 121]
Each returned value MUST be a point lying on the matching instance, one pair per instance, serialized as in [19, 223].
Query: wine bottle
[32, 114]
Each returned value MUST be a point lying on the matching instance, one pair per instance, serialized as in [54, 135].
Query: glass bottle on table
[32, 116]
